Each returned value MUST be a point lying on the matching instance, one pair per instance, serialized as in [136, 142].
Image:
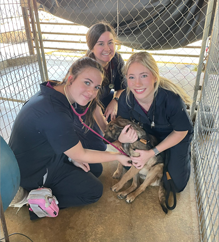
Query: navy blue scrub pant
[179, 165]
[71, 185]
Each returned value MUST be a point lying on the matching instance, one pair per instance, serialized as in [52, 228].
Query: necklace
[111, 85]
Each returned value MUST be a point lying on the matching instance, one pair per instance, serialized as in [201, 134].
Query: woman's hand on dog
[144, 156]
[128, 135]
[124, 160]
[111, 110]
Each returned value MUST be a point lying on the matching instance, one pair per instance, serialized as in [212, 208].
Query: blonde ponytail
[168, 85]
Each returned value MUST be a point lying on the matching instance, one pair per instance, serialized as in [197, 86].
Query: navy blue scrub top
[116, 78]
[42, 131]
[169, 113]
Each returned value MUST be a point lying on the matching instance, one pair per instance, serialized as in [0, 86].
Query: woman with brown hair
[43, 138]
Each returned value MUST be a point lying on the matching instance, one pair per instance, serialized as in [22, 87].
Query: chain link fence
[206, 143]
[64, 41]
[19, 69]
[40, 40]
[36, 45]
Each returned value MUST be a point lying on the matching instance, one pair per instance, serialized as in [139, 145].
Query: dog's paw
[117, 175]
[130, 198]
[115, 188]
[122, 195]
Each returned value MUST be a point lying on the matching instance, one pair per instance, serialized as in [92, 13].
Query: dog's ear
[122, 122]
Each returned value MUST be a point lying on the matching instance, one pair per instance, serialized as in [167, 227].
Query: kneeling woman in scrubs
[159, 105]
[43, 138]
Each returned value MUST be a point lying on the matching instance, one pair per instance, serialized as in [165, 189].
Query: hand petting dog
[140, 161]
[128, 135]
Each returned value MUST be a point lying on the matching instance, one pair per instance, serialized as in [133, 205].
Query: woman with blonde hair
[160, 106]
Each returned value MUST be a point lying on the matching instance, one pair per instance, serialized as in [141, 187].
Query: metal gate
[206, 144]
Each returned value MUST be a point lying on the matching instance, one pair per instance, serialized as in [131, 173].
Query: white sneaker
[20, 199]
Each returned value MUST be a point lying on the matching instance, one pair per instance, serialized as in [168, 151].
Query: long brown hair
[94, 33]
[92, 36]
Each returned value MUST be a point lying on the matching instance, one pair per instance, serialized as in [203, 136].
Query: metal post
[40, 38]
[27, 30]
[30, 4]
[4, 226]
[117, 31]
[204, 39]
[211, 49]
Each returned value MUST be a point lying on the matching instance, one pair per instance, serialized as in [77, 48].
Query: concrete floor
[111, 219]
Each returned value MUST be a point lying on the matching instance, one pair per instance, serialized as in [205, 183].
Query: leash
[170, 184]
[81, 120]
[170, 187]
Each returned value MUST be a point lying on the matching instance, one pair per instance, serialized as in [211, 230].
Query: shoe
[20, 199]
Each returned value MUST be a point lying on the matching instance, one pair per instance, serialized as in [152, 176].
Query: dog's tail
[162, 197]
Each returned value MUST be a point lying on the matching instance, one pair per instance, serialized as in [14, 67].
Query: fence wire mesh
[64, 41]
[206, 144]
[135, 22]
[22, 66]
[19, 68]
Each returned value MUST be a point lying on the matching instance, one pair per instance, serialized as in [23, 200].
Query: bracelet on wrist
[156, 151]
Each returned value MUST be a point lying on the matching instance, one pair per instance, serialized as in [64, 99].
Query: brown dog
[152, 172]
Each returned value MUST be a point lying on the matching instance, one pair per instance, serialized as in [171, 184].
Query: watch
[156, 151]
[116, 98]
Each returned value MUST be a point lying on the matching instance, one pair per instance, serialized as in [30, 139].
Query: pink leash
[80, 115]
